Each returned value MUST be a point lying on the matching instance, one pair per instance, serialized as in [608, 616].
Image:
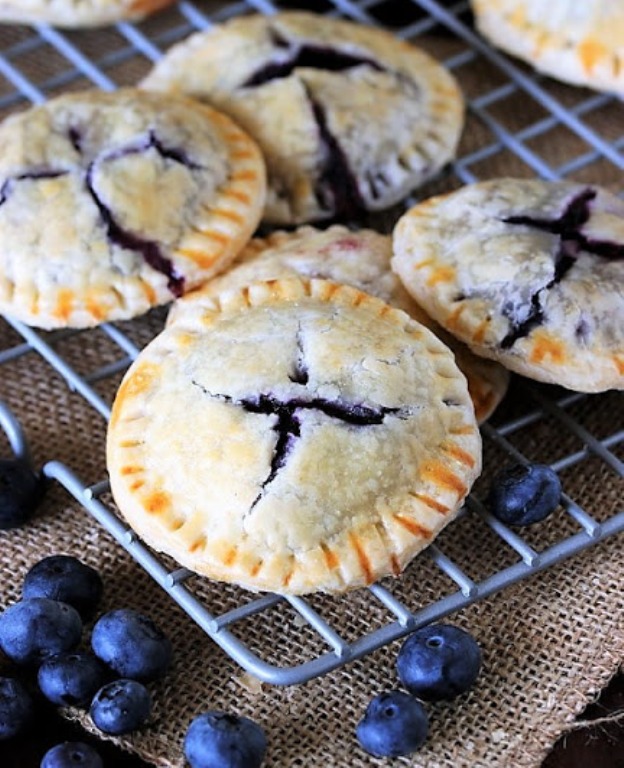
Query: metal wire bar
[528, 84]
[592, 443]
[180, 583]
[14, 433]
[75, 382]
[75, 57]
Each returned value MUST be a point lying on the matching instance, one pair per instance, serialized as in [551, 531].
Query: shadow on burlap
[550, 643]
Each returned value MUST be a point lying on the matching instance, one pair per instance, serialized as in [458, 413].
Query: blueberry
[222, 740]
[72, 754]
[21, 490]
[34, 629]
[439, 662]
[524, 494]
[121, 707]
[17, 710]
[131, 644]
[394, 724]
[71, 679]
[65, 578]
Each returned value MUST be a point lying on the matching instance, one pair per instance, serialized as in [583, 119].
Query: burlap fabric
[550, 643]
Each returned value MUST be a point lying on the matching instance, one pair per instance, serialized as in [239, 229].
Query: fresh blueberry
[71, 679]
[72, 754]
[21, 490]
[131, 644]
[17, 710]
[524, 494]
[37, 628]
[394, 724]
[438, 662]
[121, 707]
[222, 740]
[65, 578]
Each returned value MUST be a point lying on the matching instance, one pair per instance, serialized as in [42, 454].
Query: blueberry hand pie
[359, 258]
[112, 203]
[298, 436]
[349, 118]
[529, 273]
[577, 41]
[76, 13]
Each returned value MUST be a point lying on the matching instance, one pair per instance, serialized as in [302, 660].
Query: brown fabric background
[550, 643]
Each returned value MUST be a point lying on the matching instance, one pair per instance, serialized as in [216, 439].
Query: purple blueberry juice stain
[5, 190]
[568, 227]
[337, 189]
[582, 330]
[148, 249]
[288, 427]
[75, 138]
[45, 173]
[300, 374]
[309, 57]
[151, 141]
[278, 40]
[287, 424]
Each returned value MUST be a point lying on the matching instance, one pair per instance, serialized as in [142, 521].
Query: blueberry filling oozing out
[45, 173]
[568, 227]
[308, 56]
[151, 141]
[75, 137]
[337, 190]
[288, 425]
[148, 249]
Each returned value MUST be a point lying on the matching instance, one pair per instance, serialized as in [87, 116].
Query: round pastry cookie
[299, 436]
[578, 42]
[526, 272]
[112, 203]
[76, 13]
[358, 258]
[349, 118]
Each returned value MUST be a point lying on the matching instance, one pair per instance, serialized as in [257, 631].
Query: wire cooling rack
[42, 61]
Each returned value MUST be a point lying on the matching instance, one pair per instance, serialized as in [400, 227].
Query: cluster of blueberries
[128, 650]
[43, 630]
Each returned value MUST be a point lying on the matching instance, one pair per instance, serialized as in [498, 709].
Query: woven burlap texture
[550, 643]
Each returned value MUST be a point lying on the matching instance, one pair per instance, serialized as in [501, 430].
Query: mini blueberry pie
[578, 42]
[359, 258]
[298, 436]
[529, 273]
[76, 13]
[349, 118]
[112, 203]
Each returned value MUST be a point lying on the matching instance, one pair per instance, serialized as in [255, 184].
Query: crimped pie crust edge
[488, 381]
[428, 259]
[222, 223]
[372, 549]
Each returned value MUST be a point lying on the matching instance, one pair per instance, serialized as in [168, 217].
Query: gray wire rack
[409, 20]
